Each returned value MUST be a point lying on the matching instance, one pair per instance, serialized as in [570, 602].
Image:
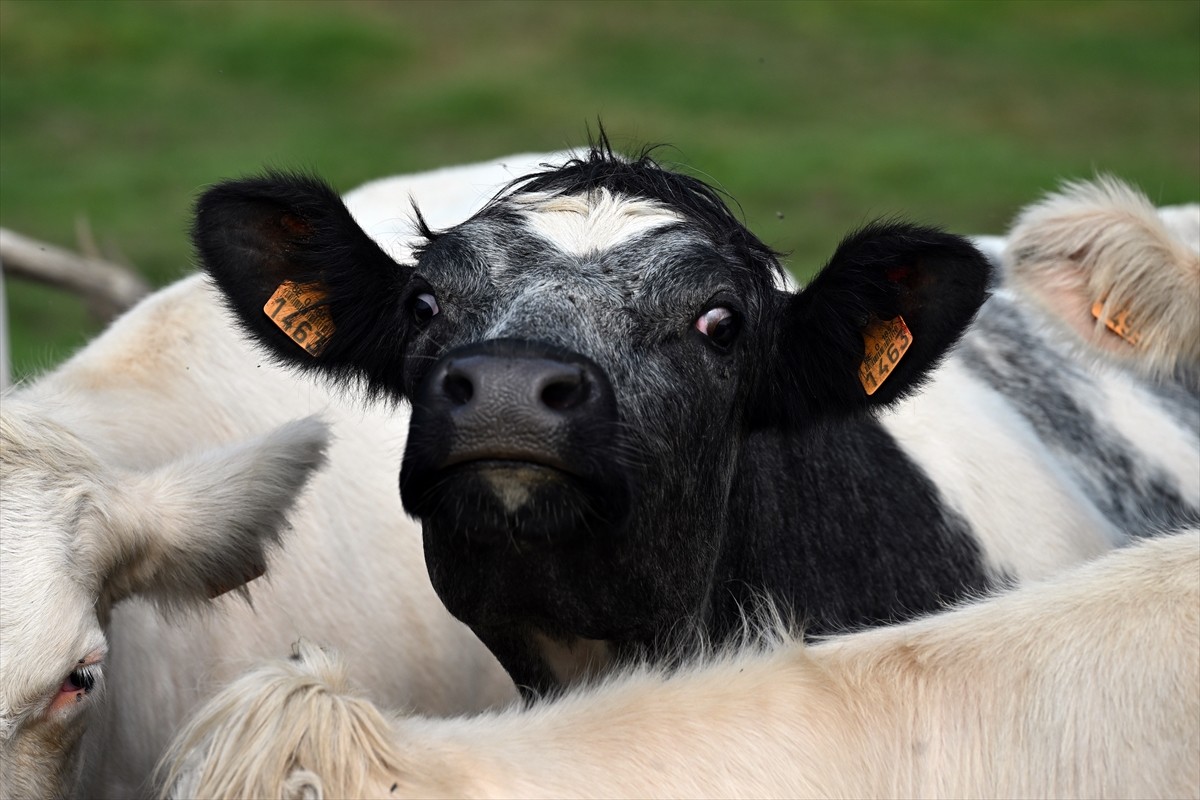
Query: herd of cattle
[634, 462]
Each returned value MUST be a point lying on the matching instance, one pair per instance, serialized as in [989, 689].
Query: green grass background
[816, 116]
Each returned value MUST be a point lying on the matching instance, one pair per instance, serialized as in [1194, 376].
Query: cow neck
[841, 530]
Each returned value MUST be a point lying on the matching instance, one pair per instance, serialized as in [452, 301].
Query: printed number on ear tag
[1118, 323]
[886, 343]
[294, 308]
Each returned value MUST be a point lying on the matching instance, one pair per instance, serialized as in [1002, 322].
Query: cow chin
[504, 503]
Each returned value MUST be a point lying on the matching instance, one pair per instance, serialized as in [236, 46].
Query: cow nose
[514, 399]
[539, 384]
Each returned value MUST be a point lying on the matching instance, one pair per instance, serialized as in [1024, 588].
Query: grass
[816, 116]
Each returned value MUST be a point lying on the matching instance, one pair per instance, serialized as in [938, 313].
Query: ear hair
[202, 525]
[256, 234]
[935, 281]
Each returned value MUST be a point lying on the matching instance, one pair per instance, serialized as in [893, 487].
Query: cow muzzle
[505, 425]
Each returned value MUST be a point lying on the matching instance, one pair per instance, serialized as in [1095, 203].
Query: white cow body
[1087, 685]
[174, 376]
[1092, 241]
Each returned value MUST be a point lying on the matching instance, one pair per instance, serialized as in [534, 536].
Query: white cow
[1121, 277]
[145, 468]
[1086, 685]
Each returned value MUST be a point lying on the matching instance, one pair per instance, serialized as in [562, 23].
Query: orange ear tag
[295, 309]
[886, 343]
[1118, 324]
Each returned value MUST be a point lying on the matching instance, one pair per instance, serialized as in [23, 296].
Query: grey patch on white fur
[1050, 391]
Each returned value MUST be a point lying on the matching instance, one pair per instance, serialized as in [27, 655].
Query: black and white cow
[626, 431]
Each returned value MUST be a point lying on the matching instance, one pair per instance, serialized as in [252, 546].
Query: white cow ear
[1118, 277]
[202, 525]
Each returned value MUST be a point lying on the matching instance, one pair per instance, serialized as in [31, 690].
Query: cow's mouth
[501, 498]
[536, 462]
[514, 483]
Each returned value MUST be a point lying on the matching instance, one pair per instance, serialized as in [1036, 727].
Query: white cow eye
[82, 679]
[425, 307]
[720, 324]
[75, 688]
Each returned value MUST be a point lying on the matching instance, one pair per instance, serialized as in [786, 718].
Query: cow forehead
[49, 478]
[48, 619]
[590, 222]
[594, 248]
[595, 271]
[47, 598]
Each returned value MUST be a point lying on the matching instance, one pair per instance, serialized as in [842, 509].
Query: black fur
[252, 235]
[933, 280]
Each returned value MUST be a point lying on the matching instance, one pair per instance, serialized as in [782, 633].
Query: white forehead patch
[591, 222]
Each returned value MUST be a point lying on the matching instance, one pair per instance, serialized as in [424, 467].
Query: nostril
[565, 392]
[458, 388]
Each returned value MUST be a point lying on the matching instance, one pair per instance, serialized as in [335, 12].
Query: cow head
[585, 357]
[78, 535]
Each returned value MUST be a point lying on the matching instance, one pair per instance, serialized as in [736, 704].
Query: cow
[1122, 277]
[1084, 685]
[151, 470]
[625, 432]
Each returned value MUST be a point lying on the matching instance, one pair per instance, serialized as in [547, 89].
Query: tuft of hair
[1103, 241]
[293, 728]
[640, 175]
[763, 626]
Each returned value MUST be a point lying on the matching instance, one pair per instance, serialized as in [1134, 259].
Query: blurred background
[815, 116]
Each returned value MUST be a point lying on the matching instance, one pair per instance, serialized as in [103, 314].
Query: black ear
[873, 323]
[302, 277]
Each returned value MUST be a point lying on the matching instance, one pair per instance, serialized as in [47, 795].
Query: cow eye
[720, 324]
[82, 679]
[425, 307]
[75, 688]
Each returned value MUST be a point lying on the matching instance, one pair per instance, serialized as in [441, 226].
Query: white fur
[1028, 516]
[1102, 241]
[968, 439]
[591, 223]
[155, 442]
[1087, 685]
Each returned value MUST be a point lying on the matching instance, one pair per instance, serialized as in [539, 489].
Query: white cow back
[1082, 686]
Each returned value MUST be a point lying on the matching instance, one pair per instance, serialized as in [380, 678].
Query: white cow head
[77, 536]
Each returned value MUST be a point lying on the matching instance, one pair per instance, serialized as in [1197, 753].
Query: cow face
[585, 358]
[78, 535]
[591, 359]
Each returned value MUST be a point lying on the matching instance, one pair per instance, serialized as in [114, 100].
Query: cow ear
[1113, 274]
[200, 526]
[874, 322]
[301, 275]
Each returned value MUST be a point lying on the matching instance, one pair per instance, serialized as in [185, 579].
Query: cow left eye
[425, 307]
[76, 687]
[720, 324]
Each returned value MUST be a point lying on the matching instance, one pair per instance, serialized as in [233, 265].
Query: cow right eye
[424, 307]
[720, 324]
